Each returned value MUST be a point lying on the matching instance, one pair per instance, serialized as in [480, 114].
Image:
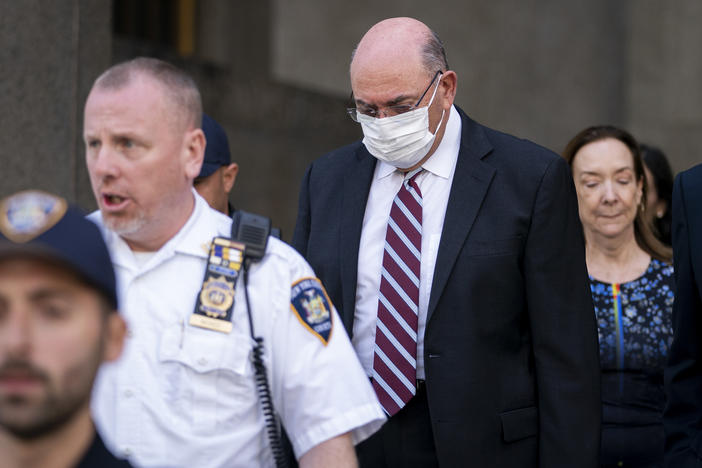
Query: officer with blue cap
[218, 173]
[58, 324]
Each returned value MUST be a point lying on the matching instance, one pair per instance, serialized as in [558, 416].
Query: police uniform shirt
[185, 396]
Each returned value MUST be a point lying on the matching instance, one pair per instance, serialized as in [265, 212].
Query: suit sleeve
[563, 325]
[683, 375]
[302, 224]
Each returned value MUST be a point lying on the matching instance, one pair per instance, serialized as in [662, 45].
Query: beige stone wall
[542, 70]
[274, 72]
[664, 77]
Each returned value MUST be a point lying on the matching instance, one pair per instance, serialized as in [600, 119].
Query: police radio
[252, 230]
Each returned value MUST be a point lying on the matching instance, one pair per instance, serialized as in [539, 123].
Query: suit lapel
[471, 181]
[355, 195]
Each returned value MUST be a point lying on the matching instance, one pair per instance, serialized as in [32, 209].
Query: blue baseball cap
[43, 226]
[216, 149]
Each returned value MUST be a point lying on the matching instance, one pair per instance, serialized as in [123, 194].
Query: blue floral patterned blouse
[634, 319]
[634, 328]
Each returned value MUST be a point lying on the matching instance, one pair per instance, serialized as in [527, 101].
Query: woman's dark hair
[645, 238]
[662, 174]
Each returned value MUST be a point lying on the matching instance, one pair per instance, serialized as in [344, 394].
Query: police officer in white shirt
[184, 393]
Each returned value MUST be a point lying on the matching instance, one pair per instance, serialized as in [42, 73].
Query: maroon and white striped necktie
[395, 354]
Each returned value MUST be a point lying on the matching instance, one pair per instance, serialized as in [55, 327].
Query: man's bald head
[400, 39]
[177, 85]
[400, 62]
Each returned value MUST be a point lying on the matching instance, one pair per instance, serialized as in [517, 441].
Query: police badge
[215, 302]
[216, 296]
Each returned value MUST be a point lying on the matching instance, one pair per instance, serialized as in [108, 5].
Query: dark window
[167, 24]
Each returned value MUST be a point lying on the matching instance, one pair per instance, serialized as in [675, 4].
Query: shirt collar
[192, 239]
[195, 236]
[443, 160]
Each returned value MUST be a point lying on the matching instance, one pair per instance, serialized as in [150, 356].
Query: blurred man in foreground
[58, 323]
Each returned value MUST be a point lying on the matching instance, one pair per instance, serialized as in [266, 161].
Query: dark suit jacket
[683, 376]
[511, 356]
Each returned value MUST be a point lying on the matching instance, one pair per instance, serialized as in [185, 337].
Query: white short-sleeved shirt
[185, 396]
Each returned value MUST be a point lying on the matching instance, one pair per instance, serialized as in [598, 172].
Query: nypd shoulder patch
[310, 302]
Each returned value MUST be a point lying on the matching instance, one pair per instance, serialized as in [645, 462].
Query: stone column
[51, 52]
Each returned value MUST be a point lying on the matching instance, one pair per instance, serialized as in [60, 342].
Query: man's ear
[448, 85]
[114, 336]
[229, 176]
[193, 152]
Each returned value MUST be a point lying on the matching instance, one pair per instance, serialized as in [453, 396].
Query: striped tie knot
[411, 180]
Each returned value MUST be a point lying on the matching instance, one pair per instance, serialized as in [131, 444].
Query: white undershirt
[435, 185]
[142, 258]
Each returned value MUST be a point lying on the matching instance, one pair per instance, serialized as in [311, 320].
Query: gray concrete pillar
[50, 54]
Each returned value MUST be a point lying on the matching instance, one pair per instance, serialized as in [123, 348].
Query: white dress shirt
[185, 396]
[435, 184]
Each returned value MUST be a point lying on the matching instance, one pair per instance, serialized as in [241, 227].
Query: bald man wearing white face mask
[455, 257]
[401, 139]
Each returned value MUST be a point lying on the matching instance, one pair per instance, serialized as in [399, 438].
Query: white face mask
[401, 140]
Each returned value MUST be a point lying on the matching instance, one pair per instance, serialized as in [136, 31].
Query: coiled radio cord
[262, 386]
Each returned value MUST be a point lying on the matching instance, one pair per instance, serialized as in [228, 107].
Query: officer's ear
[229, 176]
[193, 152]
